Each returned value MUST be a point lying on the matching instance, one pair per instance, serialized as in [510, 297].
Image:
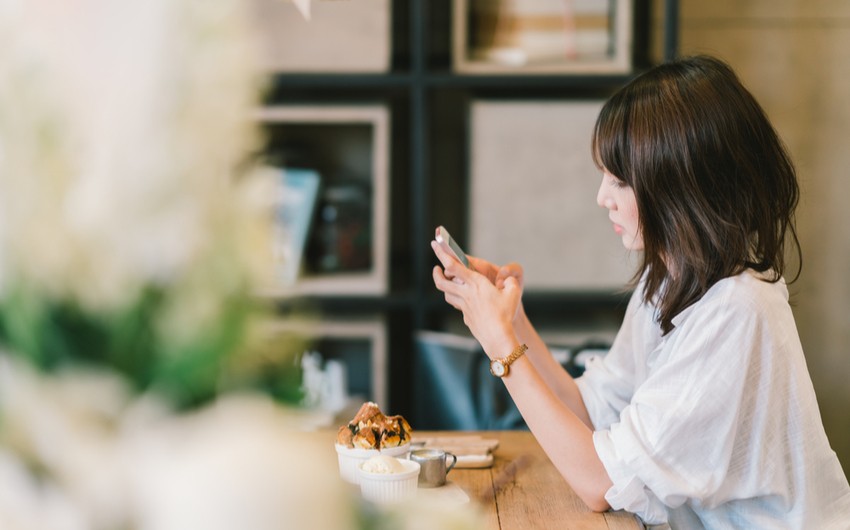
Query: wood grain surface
[524, 491]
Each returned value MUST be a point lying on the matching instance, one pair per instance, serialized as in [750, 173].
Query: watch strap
[514, 355]
[506, 362]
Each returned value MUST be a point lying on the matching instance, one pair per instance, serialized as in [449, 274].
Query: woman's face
[619, 198]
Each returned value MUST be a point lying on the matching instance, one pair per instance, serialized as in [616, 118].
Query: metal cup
[433, 469]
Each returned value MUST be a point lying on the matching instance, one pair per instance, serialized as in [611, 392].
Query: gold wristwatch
[501, 367]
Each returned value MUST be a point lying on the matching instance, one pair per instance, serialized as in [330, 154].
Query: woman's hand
[488, 296]
[497, 275]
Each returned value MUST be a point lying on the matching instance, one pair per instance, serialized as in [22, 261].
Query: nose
[603, 199]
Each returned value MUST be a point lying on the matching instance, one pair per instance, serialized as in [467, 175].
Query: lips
[617, 228]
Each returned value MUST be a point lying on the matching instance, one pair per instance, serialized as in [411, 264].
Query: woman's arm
[490, 313]
[552, 373]
[567, 440]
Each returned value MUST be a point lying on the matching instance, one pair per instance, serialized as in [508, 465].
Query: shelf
[432, 167]
[348, 146]
[360, 344]
[341, 304]
[340, 80]
[438, 79]
[527, 81]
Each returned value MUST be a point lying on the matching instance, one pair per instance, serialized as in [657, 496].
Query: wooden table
[524, 491]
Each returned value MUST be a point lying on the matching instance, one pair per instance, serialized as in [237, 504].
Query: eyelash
[617, 183]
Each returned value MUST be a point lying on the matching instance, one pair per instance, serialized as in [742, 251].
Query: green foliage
[53, 335]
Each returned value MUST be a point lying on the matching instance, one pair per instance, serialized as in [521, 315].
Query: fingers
[477, 264]
[511, 283]
[484, 267]
[453, 268]
[511, 270]
[448, 287]
[444, 282]
[454, 301]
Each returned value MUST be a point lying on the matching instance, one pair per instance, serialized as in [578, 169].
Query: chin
[632, 244]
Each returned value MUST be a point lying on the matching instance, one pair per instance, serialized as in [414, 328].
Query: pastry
[371, 429]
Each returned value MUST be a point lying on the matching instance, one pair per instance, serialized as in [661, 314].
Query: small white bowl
[385, 488]
[350, 459]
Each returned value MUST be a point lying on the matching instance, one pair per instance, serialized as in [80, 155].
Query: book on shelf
[520, 32]
[341, 241]
[295, 204]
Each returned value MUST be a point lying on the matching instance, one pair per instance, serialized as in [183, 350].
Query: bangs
[611, 143]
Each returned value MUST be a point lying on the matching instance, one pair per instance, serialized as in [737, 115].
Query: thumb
[510, 283]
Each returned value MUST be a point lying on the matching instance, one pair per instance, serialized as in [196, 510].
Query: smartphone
[445, 239]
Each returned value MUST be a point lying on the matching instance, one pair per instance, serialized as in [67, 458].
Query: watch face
[497, 368]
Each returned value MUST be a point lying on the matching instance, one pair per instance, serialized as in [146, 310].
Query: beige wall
[794, 55]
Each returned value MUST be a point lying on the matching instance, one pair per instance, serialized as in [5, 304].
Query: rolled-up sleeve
[628, 491]
[673, 441]
[604, 392]
[609, 382]
[716, 424]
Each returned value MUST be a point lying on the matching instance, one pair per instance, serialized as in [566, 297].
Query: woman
[702, 414]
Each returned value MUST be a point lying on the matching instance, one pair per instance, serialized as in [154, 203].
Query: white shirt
[716, 424]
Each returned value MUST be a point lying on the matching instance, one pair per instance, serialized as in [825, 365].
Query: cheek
[628, 208]
[634, 220]
[632, 213]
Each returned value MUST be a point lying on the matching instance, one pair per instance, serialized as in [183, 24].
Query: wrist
[501, 345]
[502, 367]
[520, 317]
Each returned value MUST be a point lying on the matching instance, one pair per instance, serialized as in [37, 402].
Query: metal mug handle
[454, 461]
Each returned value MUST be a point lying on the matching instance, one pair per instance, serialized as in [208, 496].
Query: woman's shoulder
[750, 286]
[750, 293]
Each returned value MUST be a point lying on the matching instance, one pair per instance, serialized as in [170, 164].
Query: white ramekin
[384, 488]
[350, 459]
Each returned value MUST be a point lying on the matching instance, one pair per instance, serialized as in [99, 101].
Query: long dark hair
[715, 188]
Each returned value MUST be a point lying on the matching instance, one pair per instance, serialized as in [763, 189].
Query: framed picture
[542, 36]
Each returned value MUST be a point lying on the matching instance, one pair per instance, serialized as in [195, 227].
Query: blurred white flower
[127, 203]
[122, 126]
[129, 244]
[238, 463]
[63, 428]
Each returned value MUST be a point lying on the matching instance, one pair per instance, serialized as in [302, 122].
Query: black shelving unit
[428, 104]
